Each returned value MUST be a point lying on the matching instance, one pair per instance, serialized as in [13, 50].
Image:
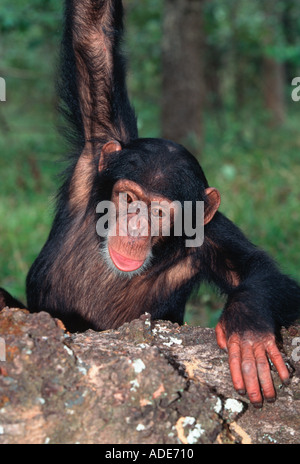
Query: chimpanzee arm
[260, 299]
[92, 89]
[93, 70]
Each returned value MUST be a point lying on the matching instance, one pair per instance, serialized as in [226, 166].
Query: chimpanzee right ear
[213, 198]
[109, 147]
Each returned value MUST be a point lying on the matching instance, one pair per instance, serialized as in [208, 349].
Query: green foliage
[143, 46]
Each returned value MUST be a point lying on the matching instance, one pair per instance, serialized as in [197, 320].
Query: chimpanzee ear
[213, 202]
[109, 147]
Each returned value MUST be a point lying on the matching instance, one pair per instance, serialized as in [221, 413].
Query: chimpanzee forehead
[160, 167]
[157, 155]
[164, 162]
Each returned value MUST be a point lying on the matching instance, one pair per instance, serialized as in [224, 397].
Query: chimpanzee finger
[264, 372]
[250, 374]
[221, 337]
[276, 358]
[235, 359]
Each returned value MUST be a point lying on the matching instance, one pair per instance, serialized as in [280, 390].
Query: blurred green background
[250, 136]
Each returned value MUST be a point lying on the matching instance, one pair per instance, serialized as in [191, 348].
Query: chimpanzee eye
[126, 197]
[158, 212]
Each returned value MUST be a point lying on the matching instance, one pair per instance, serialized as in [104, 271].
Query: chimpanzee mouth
[123, 263]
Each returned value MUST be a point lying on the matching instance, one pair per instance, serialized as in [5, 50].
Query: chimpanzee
[88, 280]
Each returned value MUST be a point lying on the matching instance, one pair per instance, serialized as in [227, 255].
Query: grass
[256, 169]
[29, 153]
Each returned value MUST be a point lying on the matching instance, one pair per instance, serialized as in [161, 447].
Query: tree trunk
[183, 76]
[149, 382]
[273, 75]
[273, 90]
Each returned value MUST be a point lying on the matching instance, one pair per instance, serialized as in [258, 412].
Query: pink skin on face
[123, 263]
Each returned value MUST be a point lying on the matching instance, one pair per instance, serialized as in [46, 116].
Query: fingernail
[271, 400]
[241, 392]
[257, 405]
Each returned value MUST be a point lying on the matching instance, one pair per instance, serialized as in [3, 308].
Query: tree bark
[273, 76]
[273, 90]
[149, 382]
[183, 75]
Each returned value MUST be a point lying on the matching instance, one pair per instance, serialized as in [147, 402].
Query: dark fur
[7, 300]
[70, 278]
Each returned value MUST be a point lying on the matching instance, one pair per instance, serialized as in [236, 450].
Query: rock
[149, 382]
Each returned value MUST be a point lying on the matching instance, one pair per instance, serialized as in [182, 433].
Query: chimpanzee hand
[249, 365]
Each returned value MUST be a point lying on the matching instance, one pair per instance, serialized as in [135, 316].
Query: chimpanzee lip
[123, 263]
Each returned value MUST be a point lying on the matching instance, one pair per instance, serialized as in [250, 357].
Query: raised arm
[260, 300]
[93, 76]
[92, 90]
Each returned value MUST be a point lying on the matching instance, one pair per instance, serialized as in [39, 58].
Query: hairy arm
[260, 299]
[92, 87]
[93, 33]
[97, 33]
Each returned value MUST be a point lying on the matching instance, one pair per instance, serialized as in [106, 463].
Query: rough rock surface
[147, 382]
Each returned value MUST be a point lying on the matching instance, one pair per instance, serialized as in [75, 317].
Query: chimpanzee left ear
[110, 147]
[213, 198]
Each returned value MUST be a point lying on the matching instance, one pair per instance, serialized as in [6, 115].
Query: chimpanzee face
[148, 203]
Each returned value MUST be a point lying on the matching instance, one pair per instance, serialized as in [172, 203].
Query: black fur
[7, 300]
